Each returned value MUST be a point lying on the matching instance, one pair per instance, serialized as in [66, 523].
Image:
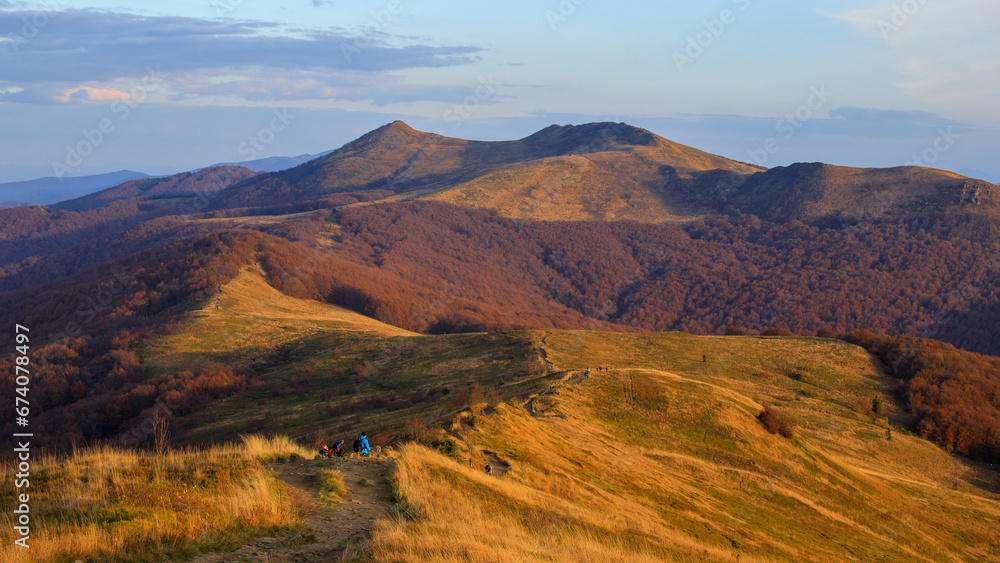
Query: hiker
[338, 448]
[489, 469]
[325, 451]
[361, 444]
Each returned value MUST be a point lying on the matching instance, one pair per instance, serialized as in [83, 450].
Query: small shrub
[776, 422]
[448, 446]
[331, 487]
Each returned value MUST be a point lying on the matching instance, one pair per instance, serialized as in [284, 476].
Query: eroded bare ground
[333, 531]
[499, 466]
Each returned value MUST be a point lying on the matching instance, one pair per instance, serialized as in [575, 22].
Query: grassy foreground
[108, 504]
[663, 459]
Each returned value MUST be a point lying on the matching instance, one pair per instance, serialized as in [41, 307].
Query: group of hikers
[361, 447]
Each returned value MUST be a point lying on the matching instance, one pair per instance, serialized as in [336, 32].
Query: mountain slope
[608, 171]
[594, 165]
[248, 314]
[205, 181]
[811, 192]
[663, 459]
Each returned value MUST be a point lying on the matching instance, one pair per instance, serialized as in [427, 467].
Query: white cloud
[944, 52]
[92, 56]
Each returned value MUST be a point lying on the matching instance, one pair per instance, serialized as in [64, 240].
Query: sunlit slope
[648, 182]
[597, 171]
[663, 459]
[248, 317]
[575, 188]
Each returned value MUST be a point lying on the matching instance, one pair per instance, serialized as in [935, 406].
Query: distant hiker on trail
[338, 448]
[489, 469]
[361, 444]
[325, 451]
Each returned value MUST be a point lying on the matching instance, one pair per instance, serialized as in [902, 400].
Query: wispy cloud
[944, 52]
[91, 52]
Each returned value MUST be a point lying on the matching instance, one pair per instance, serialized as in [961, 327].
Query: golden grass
[331, 486]
[601, 186]
[110, 504]
[253, 317]
[663, 459]
[465, 515]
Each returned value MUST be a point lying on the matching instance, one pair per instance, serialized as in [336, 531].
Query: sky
[96, 86]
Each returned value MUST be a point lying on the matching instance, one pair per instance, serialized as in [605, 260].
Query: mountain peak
[601, 134]
[391, 135]
[397, 126]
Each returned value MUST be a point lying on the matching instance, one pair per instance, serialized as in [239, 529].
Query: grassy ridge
[663, 459]
[323, 370]
[250, 318]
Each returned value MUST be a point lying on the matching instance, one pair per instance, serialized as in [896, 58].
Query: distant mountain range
[603, 224]
[605, 171]
[274, 163]
[45, 191]
[51, 190]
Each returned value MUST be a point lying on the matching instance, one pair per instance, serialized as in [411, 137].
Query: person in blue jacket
[364, 444]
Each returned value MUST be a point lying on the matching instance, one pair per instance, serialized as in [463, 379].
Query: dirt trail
[571, 379]
[499, 466]
[333, 530]
[550, 368]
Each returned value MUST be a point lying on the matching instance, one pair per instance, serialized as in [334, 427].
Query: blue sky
[95, 86]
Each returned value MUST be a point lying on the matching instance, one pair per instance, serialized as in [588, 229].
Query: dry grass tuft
[331, 486]
[105, 504]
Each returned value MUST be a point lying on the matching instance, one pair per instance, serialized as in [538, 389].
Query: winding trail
[549, 367]
[333, 531]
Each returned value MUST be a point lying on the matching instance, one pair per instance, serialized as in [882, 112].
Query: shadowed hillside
[205, 181]
[811, 192]
[42, 231]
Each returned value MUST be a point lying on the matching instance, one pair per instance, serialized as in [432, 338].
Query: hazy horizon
[181, 85]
